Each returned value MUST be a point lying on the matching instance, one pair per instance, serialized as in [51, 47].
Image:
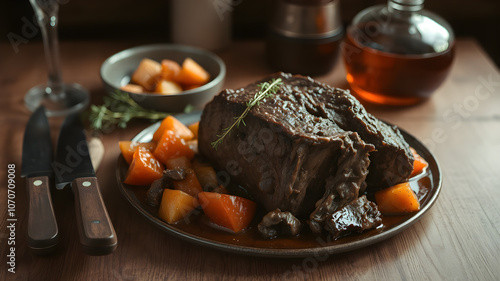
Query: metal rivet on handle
[37, 183]
[86, 183]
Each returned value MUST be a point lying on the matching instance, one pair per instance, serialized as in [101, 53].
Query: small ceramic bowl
[117, 70]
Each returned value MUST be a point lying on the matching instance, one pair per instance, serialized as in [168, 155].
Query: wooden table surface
[458, 239]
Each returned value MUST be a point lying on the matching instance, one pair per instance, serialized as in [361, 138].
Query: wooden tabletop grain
[458, 239]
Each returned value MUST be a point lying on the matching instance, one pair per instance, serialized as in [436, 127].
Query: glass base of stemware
[74, 98]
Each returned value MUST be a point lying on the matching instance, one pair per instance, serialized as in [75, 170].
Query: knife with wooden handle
[73, 166]
[43, 233]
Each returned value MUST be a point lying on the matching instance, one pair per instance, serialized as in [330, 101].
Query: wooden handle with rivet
[43, 233]
[97, 235]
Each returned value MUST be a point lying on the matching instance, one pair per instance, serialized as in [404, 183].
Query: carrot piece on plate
[419, 164]
[194, 129]
[181, 162]
[190, 184]
[206, 175]
[129, 147]
[144, 169]
[176, 205]
[396, 200]
[171, 146]
[173, 124]
[232, 212]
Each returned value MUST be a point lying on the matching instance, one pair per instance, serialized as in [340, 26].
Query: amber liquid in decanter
[405, 72]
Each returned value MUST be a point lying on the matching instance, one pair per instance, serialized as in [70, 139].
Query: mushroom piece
[277, 223]
[154, 193]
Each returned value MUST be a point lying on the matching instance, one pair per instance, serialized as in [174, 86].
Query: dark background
[148, 20]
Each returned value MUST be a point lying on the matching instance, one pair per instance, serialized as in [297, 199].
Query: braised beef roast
[310, 150]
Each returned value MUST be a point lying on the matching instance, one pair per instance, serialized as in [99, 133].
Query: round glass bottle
[397, 54]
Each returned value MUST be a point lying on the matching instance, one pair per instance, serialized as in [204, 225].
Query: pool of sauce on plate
[198, 225]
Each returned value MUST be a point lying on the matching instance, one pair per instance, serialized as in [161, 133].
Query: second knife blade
[73, 165]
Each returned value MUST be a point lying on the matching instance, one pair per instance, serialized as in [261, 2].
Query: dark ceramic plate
[427, 187]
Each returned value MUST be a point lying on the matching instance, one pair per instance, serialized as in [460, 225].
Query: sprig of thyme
[267, 90]
[117, 110]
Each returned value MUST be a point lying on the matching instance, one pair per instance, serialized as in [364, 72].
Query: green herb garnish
[267, 90]
[117, 110]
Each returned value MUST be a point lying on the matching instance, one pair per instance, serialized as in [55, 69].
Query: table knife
[73, 166]
[43, 233]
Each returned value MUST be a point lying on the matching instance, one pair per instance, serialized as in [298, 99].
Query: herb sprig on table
[267, 90]
[117, 110]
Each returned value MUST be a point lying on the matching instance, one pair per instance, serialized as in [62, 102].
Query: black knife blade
[43, 233]
[73, 165]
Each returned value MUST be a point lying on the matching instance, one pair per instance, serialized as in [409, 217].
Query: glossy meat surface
[307, 150]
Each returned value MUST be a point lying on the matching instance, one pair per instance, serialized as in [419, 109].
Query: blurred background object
[149, 21]
[57, 97]
[303, 36]
[201, 23]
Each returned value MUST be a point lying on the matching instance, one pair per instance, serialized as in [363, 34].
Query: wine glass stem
[48, 21]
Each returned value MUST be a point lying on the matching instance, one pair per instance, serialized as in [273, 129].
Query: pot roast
[310, 151]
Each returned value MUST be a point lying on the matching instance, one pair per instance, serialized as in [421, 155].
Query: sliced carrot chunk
[144, 169]
[232, 212]
[178, 163]
[396, 200]
[419, 164]
[170, 70]
[176, 205]
[172, 146]
[146, 74]
[192, 73]
[194, 129]
[173, 124]
[129, 147]
[133, 88]
[167, 87]
[190, 184]
[190, 87]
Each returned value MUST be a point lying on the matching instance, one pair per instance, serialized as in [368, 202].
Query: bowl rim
[169, 47]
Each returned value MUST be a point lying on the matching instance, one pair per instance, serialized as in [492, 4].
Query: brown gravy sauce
[198, 225]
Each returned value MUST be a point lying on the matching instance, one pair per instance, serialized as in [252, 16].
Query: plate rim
[277, 252]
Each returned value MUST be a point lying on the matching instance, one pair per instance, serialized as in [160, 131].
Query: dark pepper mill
[303, 36]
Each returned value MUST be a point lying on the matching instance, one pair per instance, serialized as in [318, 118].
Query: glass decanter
[397, 54]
